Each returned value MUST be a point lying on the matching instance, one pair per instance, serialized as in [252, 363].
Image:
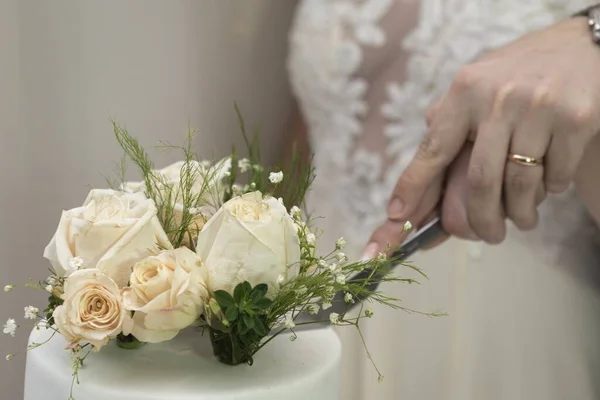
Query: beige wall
[154, 65]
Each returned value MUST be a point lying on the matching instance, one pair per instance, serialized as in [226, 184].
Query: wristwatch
[593, 15]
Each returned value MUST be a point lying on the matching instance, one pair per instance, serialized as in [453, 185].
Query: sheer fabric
[522, 315]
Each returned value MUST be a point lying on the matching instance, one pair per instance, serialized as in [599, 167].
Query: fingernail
[370, 252]
[395, 209]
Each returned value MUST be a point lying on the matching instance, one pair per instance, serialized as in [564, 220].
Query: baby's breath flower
[334, 318]
[295, 212]
[276, 177]
[301, 290]
[313, 308]
[289, 322]
[381, 257]
[311, 238]
[10, 327]
[49, 288]
[31, 312]
[293, 338]
[348, 298]
[341, 279]
[340, 243]
[76, 262]
[253, 185]
[280, 279]
[407, 226]
[8, 288]
[236, 189]
[9, 357]
[368, 313]
[52, 281]
[380, 378]
[341, 257]
[326, 305]
[322, 263]
[257, 167]
[244, 165]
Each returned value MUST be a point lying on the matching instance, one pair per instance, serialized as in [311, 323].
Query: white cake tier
[184, 369]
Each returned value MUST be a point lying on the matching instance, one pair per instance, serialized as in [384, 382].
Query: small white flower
[280, 279]
[407, 226]
[9, 357]
[293, 338]
[52, 281]
[311, 238]
[257, 167]
[236, 189]
[8, 288]
[368, 313]
[49, 288]
[341, 279]
[381, 257]
[10, 327]
[289, 322]
[194, 210]
[341, 257]
[322, 263]
[348, 298]
[253, 185]
[326, 305]
[295, 212]
[244, 165]
[313, 308]
[276, 177]
[75, 263]
[31, 312]
[280, 200]
[340, 243]
[380, 378]
[334, 318]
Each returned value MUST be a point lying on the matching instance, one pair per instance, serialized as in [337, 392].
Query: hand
[452, 208]
[539, 97]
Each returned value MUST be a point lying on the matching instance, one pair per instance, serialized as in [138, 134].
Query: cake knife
[426, 235]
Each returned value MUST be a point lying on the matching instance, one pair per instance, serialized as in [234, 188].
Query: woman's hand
[537, 97]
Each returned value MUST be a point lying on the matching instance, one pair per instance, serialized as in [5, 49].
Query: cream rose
[110, 232]
[208, 189]
[166, 294]
[92, 311]
[252, 239]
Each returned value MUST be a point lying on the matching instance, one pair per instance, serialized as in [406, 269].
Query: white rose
[92, 311]
[166, 293]
[208, 188]
[252, 239]
[110, 232]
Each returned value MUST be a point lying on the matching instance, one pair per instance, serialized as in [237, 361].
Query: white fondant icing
[184, 369]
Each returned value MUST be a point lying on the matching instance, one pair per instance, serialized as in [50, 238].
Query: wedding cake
[185, 369]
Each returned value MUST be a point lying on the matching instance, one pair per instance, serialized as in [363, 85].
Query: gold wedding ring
[524, 160]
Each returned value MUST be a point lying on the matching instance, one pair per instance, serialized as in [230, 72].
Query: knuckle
[454, 219]
[407, 181]
[558, 182]
[465, 78]
[488, 228]
[479, 177]
[517, 183]
[543, 97]
[430, 148]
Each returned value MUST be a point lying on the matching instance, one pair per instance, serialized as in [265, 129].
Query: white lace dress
[524, 317]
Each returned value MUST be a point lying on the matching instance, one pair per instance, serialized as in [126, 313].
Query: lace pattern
[329, 41]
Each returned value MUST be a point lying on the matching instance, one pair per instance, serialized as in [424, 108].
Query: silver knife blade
[420, 238]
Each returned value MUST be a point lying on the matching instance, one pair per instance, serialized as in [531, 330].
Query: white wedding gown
[524, 317]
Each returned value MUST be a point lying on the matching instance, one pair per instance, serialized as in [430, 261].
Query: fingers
[521, 182]
[454, 205]
[444, 139]
[391, 233]
[485, 178]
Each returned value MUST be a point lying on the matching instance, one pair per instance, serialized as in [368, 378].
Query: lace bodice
[365, 72]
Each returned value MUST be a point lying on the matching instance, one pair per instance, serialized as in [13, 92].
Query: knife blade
[420, 238]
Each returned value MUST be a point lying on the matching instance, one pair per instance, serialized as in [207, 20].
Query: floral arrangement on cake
[223, 246]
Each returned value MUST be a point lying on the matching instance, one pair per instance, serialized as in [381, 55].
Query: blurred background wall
[67, 66]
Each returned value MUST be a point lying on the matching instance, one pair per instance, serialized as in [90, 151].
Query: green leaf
[247, 287]
[232, 313]
[264, 303]
[239, 292]
[260, 327]
[248, 321]
[224, 299]
[243, 329]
